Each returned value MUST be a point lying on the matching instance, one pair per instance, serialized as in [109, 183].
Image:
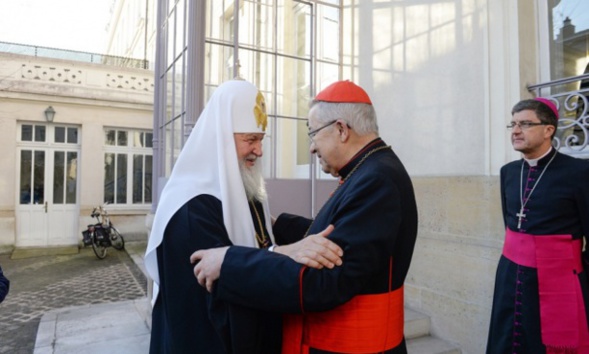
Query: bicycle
[103, 234]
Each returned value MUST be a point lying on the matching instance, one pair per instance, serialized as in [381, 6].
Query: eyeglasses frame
[314, 132]
[525, 125]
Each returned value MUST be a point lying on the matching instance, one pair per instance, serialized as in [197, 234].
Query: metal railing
[45, 52]
[571, 96]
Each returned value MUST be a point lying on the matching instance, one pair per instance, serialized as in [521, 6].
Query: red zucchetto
[343, 92]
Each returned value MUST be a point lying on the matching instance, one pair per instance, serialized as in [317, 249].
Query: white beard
[253, 181]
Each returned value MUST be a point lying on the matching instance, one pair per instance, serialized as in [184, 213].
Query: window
[127, 166]
[31, 132]
[48, 164]
[569, 38]
[286, 48]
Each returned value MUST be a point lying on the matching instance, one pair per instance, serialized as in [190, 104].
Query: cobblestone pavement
[45, 283]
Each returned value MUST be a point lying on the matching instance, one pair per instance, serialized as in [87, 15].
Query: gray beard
[253, 182]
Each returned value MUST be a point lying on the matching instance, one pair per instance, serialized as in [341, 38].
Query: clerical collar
[534, 162]
[343, 172]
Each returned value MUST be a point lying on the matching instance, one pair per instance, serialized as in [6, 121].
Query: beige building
[94, 148]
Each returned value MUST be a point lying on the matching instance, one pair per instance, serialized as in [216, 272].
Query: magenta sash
[562, 310]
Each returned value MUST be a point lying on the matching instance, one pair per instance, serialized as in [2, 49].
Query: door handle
[45, 207]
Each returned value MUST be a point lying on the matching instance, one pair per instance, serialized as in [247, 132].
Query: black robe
[559, 204]
[4, 285]
[185, 318]
[375, 217]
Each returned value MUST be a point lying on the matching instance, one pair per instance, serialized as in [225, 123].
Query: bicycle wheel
[116, 239]
[99, 250]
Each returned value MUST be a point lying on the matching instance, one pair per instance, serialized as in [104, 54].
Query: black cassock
[558, 205]
[375, 217]
[185, 318]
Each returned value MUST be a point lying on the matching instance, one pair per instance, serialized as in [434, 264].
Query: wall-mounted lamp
[49, 114]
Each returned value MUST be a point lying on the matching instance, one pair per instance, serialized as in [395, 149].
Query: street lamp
[49, 114]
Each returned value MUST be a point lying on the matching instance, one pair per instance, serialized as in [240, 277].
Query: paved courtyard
[43, 283]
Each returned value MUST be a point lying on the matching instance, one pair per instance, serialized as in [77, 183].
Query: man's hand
[208, 268]
[315, 251]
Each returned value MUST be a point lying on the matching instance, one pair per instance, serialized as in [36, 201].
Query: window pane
[58, 169]
[137, 178]
[72, 135]
[169, 152]
[293, 149]
[137, 139]
[109, 137]
[121, 196]
[39, 133]
[256, 24]
[148, 174]
[216, 14]
[60, 134]
[178, 88]
[251, 64]
[26, 163]
[26, 133]
[569, 49]
[327, 74]
[328, 33]
[109, 178]
[294, 29]
[39, 178]
[180, 21]
[171, 31]
[293, 87]
[149, 140]
[71, 178]
[219, 66]
[121, 138]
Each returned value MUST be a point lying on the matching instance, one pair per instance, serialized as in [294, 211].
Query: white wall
[443, 76]
[89, 96]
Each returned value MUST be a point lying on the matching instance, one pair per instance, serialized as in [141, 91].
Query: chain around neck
[262, 240]
[521, 182]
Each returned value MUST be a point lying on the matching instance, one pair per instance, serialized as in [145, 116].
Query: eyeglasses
[312, 133]
[524, 125]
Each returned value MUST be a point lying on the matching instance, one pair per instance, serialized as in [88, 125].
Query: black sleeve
[4, 286]
[194, 321]
[502, 189]
[290, 228]
[366, 227]
[183, 306]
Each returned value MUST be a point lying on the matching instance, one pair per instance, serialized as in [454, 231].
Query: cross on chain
[520, 216]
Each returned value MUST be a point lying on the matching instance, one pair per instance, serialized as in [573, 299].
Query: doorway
[47, 185]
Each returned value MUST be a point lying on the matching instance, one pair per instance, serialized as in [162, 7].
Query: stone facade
[86, 96]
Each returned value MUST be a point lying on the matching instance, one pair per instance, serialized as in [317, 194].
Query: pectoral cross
[520, 216]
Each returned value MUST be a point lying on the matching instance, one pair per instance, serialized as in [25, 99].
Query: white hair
[253, 181]
[360, 116]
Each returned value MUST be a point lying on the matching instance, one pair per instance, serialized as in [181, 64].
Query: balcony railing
[571, 96]
[46, 52]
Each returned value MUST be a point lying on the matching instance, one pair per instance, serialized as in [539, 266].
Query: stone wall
[458, 246]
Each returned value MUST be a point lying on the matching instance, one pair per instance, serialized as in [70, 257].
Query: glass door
[47, 212]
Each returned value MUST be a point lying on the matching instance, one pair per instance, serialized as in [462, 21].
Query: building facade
[95, 148]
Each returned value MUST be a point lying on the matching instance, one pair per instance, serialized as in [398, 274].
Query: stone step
[430, 345]
[419, 339]
[416, 324]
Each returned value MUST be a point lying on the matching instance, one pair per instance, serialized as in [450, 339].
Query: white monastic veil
[208, 164]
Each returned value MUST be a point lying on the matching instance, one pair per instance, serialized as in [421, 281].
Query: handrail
[572, 136]
[566, 80]
[47, 52]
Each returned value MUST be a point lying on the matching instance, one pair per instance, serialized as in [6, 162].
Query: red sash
[562, 310]
[365, 324]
